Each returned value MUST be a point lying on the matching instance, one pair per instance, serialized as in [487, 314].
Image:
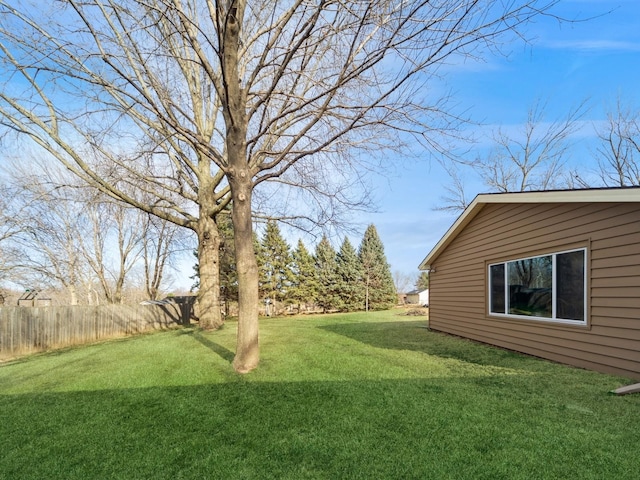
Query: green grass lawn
[372, 396]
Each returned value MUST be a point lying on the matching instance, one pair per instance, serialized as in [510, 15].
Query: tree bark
[208, 257]
[73, 295]
[247, 347]
[240, 179]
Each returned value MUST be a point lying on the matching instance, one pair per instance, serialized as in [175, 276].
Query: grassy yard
[373, 396]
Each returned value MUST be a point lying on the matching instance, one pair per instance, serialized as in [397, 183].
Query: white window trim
[553, 318]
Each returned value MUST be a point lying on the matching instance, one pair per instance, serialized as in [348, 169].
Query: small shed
[418, 297]
[554, 274]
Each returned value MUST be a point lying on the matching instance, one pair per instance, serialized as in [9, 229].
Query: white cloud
[595, 45]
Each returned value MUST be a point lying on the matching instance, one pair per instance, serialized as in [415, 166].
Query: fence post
[185, 302]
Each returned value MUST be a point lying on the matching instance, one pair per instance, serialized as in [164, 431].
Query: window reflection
[546, 287]
[497, 288]
[570, 285]
[530, 283]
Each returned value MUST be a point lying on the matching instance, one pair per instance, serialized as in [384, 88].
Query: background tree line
[181, 109]
[537, 155]
[326, 280]
[59, 236]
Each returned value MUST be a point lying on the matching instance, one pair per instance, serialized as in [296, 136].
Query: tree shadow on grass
[414, 335]
[223, 352]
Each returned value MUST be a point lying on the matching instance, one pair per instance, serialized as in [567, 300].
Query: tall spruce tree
[227, 265]
[228, 271]
[275, 265]
[380, 291]
[349, 277]
[422, 283]
[328, 297]
[304, 289]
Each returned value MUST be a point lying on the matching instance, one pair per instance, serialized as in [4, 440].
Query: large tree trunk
[209, 265]
[247, 347]
[119, 287]
[241, 182]
[73, 295]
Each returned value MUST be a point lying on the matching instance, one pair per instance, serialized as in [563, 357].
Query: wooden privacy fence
[33, 329]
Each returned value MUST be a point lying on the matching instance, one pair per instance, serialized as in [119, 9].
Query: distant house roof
[592, 195]
[417, 292]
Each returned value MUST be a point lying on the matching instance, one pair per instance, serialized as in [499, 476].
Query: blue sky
[597, 60]
[564, 64]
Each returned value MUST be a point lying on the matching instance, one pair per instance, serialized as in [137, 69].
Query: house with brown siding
[554, 274]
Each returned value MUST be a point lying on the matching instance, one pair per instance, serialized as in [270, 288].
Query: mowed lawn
[371, 396]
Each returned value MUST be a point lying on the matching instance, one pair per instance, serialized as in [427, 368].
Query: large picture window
[548, 287]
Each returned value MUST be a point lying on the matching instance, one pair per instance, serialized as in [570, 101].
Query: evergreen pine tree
[228, 273]
[325, 255]
[304, 289]
[380, 291]
[275, 265]
[349, 278]
[260, 260]
[423, 281]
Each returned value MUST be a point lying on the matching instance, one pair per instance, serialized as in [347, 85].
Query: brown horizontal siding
[517, 235]
[467, 311]
[614, 242]
[616, 262]
[600, 363]
[520, 218]
[623, 291]
[603, 251]
[570, 352]
[538, 344]
[630, 271]
[538, 238]
[462, 303]
[624, 318]
[579, 344]
[613, 331]
[611, 233]
[617, 302]
[464, 290]
[607, 314]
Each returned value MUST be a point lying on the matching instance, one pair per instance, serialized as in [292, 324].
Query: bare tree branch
[533, 158]
[180, 107]
[619, 150]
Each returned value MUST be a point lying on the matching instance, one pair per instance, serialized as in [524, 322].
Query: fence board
[33, 329]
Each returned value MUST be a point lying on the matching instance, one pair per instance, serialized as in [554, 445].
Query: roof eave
[462, 221]
[604, 195]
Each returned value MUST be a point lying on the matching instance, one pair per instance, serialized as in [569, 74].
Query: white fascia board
[603, 195]
[462, 221]
[600, 195]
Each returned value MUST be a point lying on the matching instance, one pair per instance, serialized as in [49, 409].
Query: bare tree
[403, 281]
[115, 243]
[10, 227]
[619, 150]
[75, 237]
[117, 96]
[160, 241]
[52, 228]
[199, 103]
[533, 158]
[456, 199]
